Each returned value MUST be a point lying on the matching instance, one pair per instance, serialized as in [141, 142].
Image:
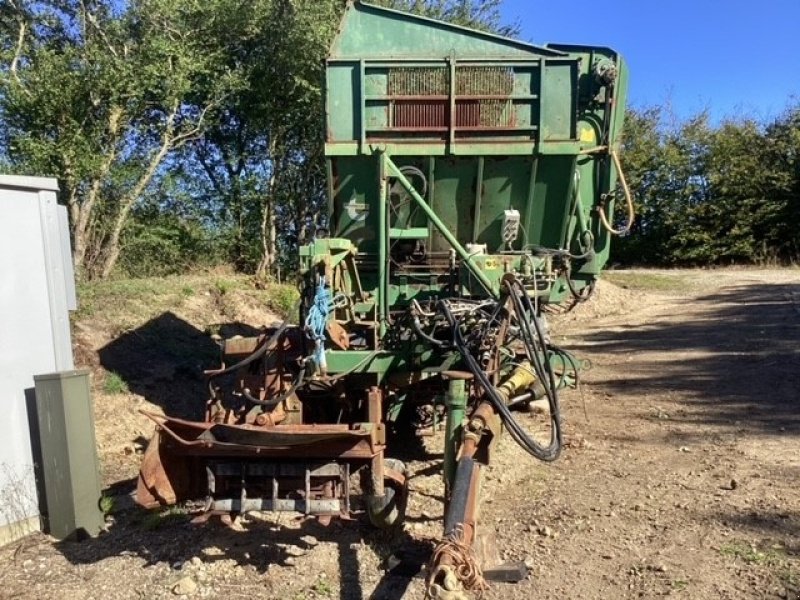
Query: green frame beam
[388, 167]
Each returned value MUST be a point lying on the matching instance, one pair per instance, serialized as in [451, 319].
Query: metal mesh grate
[419, 81]
[484, 113]
[407, 86]
[426, 114]
[434, 81]
[473, 81]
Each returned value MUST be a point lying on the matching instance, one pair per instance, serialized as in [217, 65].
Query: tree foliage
[259, 162]
[477, 14]
[100, 99]
[185, 132]
[221, 99]
[706, 195]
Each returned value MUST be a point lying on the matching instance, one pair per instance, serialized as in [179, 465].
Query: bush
[283, 300]
[158, 241]
[114, 384]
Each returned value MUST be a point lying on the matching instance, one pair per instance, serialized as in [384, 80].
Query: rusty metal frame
[345, 442]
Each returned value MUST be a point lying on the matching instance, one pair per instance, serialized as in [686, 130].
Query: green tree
[262, 153]
[665, 169]
[477, 14]
[781, 181]
[98, 98]
[707, 195]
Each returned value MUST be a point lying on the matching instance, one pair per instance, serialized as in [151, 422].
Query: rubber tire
[389, 510]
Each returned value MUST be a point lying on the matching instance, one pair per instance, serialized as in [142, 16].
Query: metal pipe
[383, 296]
[278, 505]
[456, 400]
[568, 205]
[460, 250]
[526, 223]
[478, 200]
[451, 122]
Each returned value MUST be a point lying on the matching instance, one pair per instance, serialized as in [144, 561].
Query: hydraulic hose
[582, 295]
[544, 369]
[626, 190]
[415, 322]
[257, 353]
[568, 363]
[301, 376]
[546, 453]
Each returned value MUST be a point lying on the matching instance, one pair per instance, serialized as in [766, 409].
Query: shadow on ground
[164, 359]
[172, 540]
[769, 524]
[735, 356]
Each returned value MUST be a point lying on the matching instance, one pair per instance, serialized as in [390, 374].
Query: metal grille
[480, 112]
[474, 81]
[483, 113]
[420, 97]
[419, 81]
[420, 114]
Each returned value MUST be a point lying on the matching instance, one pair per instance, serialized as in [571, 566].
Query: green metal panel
[399, 78]
[452, 101]
[505, 183]
[342, 92]
[454, 187]
[364, 33]
[70, 467]
[494, 125]
[558, 92]
[355, 201]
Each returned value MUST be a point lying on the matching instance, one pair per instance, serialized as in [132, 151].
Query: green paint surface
[493, 125]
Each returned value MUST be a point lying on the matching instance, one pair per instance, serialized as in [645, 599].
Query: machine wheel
[389, 510]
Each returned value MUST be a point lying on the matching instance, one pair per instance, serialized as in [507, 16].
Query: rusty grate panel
[421, 114]
[485, 113]
[475, 81]
[419, 81]
[468, 113]
[432, 114]
[419, 97]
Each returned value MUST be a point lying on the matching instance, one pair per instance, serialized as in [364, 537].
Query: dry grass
[132, 301]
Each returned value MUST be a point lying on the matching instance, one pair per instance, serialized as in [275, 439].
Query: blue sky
[730, 56]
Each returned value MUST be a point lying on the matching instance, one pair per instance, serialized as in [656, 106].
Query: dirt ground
[679, 477]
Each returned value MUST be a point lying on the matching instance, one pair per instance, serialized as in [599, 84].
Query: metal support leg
[375, 416]
[456, 402]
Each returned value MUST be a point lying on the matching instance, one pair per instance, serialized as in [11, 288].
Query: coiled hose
[257, 353]
[543, 370]
[626, 190]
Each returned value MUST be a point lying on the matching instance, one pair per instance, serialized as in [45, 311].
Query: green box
[69, 457]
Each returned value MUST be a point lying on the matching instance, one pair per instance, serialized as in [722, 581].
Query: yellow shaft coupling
[521, 378]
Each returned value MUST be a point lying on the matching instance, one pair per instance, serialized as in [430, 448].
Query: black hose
[544, 370]
[431, 340]
[545, 453]
[257, 353]
[582, 295]
[266, 403]
[275, 401]
[566, 357]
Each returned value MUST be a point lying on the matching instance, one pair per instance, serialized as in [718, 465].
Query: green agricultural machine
[471, 183]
